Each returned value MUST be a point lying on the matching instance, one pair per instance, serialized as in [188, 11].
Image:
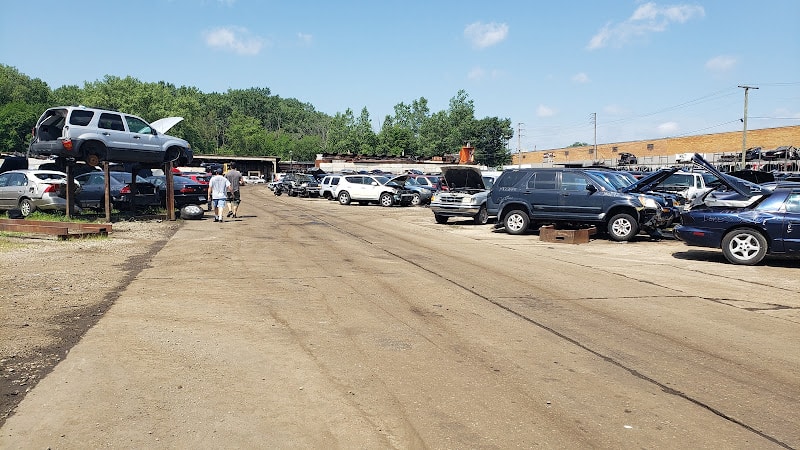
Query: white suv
[328, 185]
[94, 135]
[371, 188]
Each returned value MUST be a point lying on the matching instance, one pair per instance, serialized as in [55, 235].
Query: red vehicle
[202, 178]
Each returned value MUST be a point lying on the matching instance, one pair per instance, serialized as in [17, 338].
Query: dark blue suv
[567, 196]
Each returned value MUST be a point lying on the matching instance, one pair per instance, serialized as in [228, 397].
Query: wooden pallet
[548, 233]
[62, 230]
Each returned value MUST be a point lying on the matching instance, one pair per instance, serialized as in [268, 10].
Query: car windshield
[618, 180]
[599, 178]
[382, 180]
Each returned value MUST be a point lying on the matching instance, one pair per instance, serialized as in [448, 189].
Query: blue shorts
[218, 202]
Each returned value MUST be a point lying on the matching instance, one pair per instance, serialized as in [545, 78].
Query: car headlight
[648, 202]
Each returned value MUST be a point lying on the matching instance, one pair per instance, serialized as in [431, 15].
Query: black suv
[521, 197]
[300, 185]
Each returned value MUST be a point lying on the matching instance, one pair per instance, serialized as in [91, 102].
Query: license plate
[202, 199]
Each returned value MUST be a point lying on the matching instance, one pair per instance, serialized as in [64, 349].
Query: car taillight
[52, 188]
[186, 190]
[67, 143]
[125, 189]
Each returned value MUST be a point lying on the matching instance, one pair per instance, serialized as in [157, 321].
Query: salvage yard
[306, 323]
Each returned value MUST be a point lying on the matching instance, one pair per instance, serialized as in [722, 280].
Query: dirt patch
[52, 292]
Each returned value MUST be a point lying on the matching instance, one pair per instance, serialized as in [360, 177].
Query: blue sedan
[746, 221]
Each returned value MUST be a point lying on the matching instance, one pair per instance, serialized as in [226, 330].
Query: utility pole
[519, 144]
[594, 121]
[744, 121]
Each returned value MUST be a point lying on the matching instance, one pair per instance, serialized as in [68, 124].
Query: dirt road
[308, 324]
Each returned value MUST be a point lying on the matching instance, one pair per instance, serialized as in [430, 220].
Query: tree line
[254, 122]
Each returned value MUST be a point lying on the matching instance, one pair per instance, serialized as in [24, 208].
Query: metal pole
[744, 121]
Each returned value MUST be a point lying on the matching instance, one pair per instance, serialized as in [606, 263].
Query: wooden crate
[549, 233]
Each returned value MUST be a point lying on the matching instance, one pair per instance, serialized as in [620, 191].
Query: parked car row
[32, 190]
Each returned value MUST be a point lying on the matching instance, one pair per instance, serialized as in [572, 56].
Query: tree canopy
[255, 122]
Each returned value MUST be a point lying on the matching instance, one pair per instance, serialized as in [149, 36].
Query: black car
[187, 191]
[92, 193]
[626, 159]
[521, 197]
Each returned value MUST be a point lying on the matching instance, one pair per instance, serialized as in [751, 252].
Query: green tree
[363, 135]
[490, 141]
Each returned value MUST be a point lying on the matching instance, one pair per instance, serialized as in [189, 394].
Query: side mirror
[374, 183]
[591, 188]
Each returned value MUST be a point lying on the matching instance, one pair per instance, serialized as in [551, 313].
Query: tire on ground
[192, 212]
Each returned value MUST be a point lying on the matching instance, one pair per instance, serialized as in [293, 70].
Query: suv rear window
[81, 118]
[510, 178]
[542, 180]
[111, 122]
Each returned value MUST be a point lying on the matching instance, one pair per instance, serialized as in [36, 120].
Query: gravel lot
[53, 291]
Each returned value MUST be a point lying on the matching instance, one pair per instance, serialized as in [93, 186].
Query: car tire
[94, 153]
[26, 207]
[344, 198]
[482, 218]
[744, 246]
[416, 199]
[516, 222]
[386, 199]
[192, 212]
[622, 227]
[440, 219]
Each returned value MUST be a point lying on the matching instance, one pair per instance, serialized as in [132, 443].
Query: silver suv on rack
[94, 135]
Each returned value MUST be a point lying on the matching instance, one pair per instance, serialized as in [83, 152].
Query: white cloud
[235, 39]
[305, 39]
[648, 18]
[721, 63]
[668, 128]
[544, 111]
[485, 35]
[581, 78]
[476, 73]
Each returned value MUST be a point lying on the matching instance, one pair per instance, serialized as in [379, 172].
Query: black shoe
[234, 215]
[216, 220]
[230, 213]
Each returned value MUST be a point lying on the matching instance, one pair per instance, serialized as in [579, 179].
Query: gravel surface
[52, 291]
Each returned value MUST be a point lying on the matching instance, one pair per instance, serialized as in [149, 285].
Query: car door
[579, 198]
[93, 190]
[146, 145]
[8, 192]
[118, 141]
[541, 194]
[791, 223]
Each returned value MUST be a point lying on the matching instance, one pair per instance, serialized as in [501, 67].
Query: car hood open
[163, 125]
[463, 177]
[743, 187]
[650, 181]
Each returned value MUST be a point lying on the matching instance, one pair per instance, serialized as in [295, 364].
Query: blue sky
[646, 69]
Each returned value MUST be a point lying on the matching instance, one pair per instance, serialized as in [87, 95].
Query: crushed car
[747, 221]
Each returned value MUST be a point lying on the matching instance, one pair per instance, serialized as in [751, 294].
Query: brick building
[657, 152]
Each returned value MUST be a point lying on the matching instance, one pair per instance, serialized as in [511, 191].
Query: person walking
[235, 179]
[218, 188]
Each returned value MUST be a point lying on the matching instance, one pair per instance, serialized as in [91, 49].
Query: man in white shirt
[218, 188]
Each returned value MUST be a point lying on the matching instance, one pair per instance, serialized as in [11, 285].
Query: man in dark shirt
[235, 178]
